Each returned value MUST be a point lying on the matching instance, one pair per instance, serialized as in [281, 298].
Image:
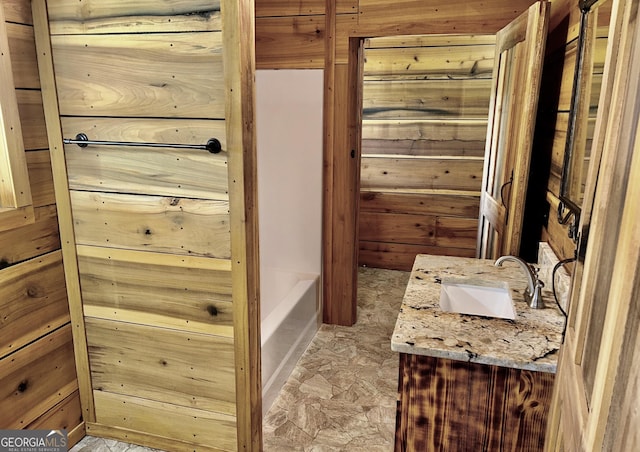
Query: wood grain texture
[18, 11]
[169, 75]
[447, 203]
[33, 301]
[295, 42]
[400, 256]
[430, 40]
[63, 204]
[426, 99]
[152, 223]
[66, 415]
[15, 192]
[456, 232]
[40, 178]
[435, 131]
[17, 245]
[397, 228]
[439, 17]
[279, 8]
[132, 286]
[239, 73]
[32, 119]
[160, 171]
[36, 378]
[170, 426]
[382, 173]
[439, 62]
[113, 16]
[424, 147]
[23, 56]
[451, 405]
[177, 367]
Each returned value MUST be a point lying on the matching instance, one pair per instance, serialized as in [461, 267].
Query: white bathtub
[291, 315]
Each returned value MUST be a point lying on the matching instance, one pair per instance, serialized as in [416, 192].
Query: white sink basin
[465, 296]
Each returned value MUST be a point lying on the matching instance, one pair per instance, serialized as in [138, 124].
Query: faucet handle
[536, 300]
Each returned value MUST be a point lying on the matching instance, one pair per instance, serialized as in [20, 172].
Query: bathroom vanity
[470, 382]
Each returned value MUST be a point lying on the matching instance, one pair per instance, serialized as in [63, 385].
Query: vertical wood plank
[239, 65]
[50, 101]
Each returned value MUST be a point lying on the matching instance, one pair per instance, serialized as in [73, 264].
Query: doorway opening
[424, 125]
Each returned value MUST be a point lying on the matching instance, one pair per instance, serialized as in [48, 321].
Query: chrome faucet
[533, 292]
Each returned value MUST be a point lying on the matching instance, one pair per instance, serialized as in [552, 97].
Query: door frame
[342, 127]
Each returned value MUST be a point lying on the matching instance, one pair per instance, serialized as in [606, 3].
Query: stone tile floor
[342, 394]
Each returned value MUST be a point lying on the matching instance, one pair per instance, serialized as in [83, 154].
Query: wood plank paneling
[17, 245]
[180, 368]
[170, 75]
[40, 178]
[438, 17]
[423, 99]
[397, 228]
[113, 16]
[17, 11]
[431, 40]
[67, 414]
[171, 423]
[457, 232]
[382, 173]
[131, 286]
[438, 203]
[23, 56]
[424, 147]
[430, 130]
[278, 8]
[426, 102]
[168, 172]
[442, 62]
[295, 42]
[36, 378]
[32, 119]
[33, 302]
[400, 256]
[152, 223]
[37, 368]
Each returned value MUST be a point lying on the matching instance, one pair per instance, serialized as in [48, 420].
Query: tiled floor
[342, 394]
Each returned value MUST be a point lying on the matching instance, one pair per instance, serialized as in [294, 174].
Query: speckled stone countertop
[531, 341]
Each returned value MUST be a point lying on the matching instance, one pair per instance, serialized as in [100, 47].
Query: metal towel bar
[81, 139]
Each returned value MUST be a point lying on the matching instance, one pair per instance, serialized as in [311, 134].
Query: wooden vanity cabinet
[448, 405]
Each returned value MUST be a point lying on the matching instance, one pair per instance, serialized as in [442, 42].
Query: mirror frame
[568, 208]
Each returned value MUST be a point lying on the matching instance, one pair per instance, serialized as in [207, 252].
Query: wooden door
[596, 396]
[512, 113]
[160, 244]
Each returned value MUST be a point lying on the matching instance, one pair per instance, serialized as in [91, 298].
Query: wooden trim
[63, 201]
[133, 436]
[239, 66]
[328, 192]
[15, 190]
[621, 297]
[609, 222]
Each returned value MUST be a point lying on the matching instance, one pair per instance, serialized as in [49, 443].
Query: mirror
[590, 60]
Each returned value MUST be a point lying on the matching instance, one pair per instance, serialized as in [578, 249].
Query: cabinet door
[514, 100]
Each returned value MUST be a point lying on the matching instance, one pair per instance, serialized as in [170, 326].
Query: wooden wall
[424, 125]
[148, 230]
[39, 388]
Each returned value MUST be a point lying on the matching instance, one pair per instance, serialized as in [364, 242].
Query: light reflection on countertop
[531, 341]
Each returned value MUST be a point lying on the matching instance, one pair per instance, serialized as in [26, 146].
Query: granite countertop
[531, 341]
